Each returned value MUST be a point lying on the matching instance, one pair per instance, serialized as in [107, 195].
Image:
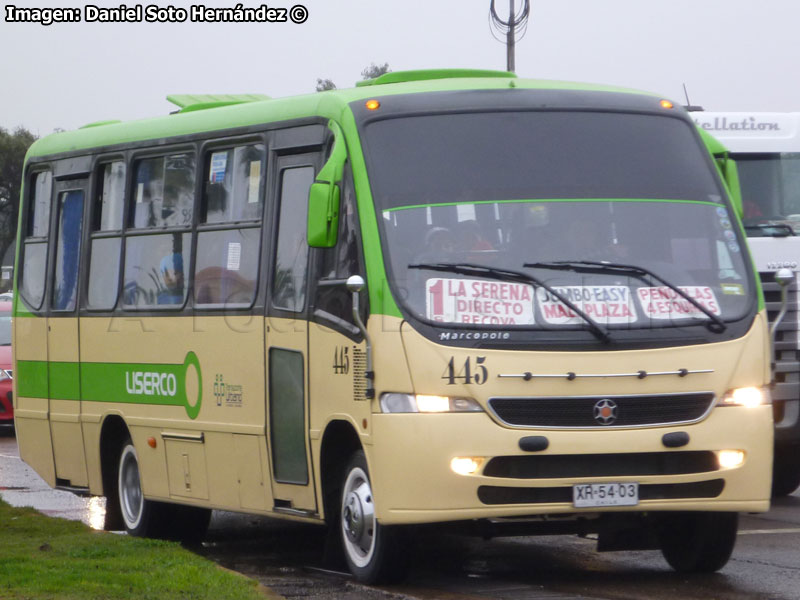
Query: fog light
[730, 459]
[465, 465]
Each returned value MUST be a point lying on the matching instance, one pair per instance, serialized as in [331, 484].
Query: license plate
[605, 494]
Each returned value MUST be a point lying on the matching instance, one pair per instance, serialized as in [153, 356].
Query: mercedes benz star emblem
[605, 411]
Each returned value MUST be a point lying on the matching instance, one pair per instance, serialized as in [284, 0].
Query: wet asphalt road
[288, 558]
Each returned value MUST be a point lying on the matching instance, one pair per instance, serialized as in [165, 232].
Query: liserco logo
[154, 384]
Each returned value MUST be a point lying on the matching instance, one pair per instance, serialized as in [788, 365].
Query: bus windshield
[502, 190]
[770, 193]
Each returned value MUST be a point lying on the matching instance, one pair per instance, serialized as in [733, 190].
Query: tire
[374, 553]
[785, 471]
[698, 542]
[148, 518]
[141, 517]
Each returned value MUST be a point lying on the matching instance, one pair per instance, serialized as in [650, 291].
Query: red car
[6, 366]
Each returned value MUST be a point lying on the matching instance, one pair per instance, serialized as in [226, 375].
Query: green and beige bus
[454, 297]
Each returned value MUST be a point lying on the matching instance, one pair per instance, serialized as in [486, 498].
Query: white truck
[766, 148]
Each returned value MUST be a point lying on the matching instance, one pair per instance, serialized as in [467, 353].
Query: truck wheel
[785, 471]
[695, 542]
[374, 552]
[142, 517]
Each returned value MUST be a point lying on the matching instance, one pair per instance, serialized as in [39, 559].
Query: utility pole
[510, 66]
[508, 28]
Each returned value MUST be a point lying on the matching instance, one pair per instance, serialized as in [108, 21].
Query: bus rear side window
[34, 261]
[39, 222]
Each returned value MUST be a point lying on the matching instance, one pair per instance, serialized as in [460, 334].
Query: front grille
[554, 466]
[489, 494]
[787, 358]
[630, 411]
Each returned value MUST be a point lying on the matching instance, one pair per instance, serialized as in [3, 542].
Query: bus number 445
[468, 373]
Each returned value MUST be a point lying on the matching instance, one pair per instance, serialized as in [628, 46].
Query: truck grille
[629, 411]
[787, 361]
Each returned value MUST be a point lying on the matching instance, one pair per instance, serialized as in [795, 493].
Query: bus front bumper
[413, 481]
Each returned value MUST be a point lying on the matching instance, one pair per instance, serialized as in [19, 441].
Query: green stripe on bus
[64, 380]
[31, 377]
[130, 383]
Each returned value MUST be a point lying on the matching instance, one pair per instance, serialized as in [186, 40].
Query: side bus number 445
[466, 372]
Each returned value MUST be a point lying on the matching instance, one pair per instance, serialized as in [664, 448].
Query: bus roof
[200, 114]
[752, 132]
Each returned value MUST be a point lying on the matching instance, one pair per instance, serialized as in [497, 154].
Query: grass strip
[44, 557]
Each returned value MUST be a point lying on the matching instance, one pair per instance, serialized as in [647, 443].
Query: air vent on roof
[101, 123]
[427, 74]
[191, 102]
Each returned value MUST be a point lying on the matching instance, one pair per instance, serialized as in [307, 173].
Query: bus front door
[287, 342]
[63, 371]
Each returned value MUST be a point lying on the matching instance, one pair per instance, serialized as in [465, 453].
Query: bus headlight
[750, 397]
[420, 403]
[4, 375]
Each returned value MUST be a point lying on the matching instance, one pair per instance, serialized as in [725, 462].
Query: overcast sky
[731, 54]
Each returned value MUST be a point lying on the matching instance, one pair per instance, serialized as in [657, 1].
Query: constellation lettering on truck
[744, 124]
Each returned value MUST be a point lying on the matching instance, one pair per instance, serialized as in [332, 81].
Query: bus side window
[229, 234]
[68, 245]
[105, 241]
[341, 261]
[37, 228]
[157, 261]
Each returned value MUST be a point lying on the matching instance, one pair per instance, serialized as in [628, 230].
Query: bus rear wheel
[695, 542]
[374, 552]
[140, 516]
[148, 518]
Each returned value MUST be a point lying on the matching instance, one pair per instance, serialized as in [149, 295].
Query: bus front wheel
[696, 542]
[374, 552]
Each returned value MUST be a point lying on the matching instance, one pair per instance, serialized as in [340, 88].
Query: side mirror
[726, 167]
[324, 195]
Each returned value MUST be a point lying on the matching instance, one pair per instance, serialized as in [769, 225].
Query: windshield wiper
[509, 275]
[716, 325]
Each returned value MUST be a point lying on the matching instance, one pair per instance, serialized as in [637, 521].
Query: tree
[374, 71]
[323, 85]
[13, 147]
[371, 72]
